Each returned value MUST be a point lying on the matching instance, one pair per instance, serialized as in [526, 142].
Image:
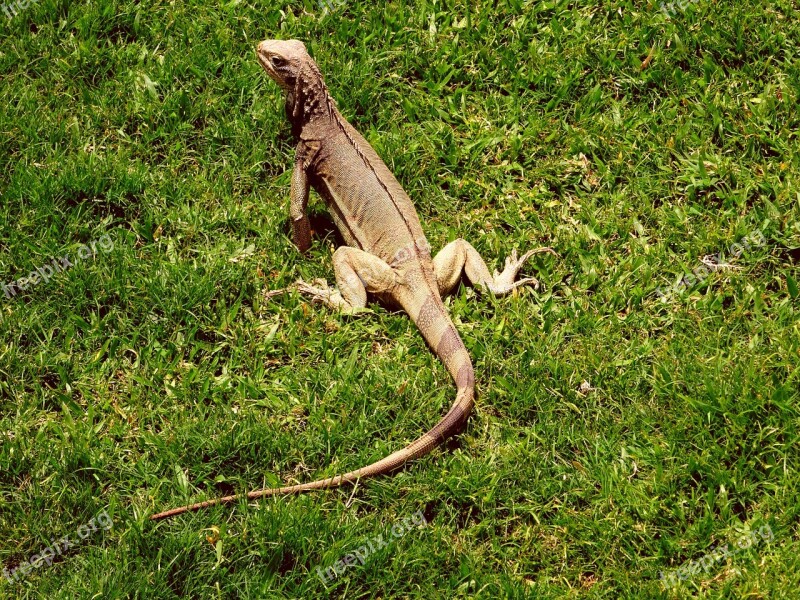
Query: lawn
[636, 428]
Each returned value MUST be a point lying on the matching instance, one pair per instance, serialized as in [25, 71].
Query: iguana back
[368, 205]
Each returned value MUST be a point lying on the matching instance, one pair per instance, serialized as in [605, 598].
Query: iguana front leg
[460, 257]
[301, 227]
[357, 272]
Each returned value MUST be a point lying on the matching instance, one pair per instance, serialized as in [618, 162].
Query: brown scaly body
[386, 253]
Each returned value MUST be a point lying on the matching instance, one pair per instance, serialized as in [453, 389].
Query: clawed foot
[504, 282]
[319, 292]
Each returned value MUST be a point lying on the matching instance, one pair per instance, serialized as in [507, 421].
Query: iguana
[386, 253]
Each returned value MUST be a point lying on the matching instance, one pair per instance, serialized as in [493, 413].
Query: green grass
[155, 374]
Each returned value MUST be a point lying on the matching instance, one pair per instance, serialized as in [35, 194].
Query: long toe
[528, 280]
[272, 293]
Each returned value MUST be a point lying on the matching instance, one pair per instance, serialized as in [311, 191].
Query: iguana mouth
[265, 63]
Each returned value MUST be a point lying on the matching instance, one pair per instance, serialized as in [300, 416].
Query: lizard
[386, 253]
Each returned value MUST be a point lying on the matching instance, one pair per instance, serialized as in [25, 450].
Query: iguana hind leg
[460, 257]
[357, 272]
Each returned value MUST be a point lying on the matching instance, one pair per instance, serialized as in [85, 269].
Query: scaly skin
[386, 253]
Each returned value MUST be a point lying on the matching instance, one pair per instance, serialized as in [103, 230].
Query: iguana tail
[438, 330]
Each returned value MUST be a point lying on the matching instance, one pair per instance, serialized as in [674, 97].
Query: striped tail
[438, 330]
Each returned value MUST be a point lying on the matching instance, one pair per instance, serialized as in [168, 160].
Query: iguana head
[307, 98]
[285, 61]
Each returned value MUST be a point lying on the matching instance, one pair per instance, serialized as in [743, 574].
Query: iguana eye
[277, 61]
